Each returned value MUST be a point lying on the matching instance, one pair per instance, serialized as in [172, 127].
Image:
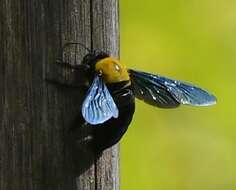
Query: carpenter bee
[109, 104]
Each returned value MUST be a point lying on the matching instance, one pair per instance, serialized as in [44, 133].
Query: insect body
[110, 101]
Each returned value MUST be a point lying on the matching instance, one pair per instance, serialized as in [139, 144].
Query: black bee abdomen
[110, 132]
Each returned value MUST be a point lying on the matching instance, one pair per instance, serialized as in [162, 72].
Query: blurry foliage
[188, 148]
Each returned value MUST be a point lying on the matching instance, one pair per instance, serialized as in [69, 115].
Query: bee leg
[71, 66]
[62, 73]
[85, 140]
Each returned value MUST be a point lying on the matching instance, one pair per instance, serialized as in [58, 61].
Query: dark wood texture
[105, 21]
[37, 151]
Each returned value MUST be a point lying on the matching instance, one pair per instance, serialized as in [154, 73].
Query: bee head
[93, 57]
[111, 70]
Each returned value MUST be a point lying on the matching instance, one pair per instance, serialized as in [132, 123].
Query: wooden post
[36, 115]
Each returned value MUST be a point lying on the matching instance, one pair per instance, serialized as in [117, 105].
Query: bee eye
[117, 67]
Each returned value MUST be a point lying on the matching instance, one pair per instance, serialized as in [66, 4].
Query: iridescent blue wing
[98, 105]
[166, 93]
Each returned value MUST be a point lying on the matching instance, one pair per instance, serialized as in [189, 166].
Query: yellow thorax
[112, 70]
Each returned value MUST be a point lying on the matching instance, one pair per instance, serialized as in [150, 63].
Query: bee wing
[166, 93]
[99, 105]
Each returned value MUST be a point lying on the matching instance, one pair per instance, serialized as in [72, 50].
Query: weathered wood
[105, 36]
[37, 150]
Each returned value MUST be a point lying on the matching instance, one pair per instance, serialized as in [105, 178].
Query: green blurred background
[189, 148]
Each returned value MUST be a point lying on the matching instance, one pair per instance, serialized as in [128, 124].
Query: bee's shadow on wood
[80, 147]
[79, 150]
[72, 82]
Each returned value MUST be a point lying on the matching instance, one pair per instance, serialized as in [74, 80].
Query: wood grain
[105, 36]
[36, 116]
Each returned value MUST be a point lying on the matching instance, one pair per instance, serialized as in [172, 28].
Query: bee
[109, 104]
